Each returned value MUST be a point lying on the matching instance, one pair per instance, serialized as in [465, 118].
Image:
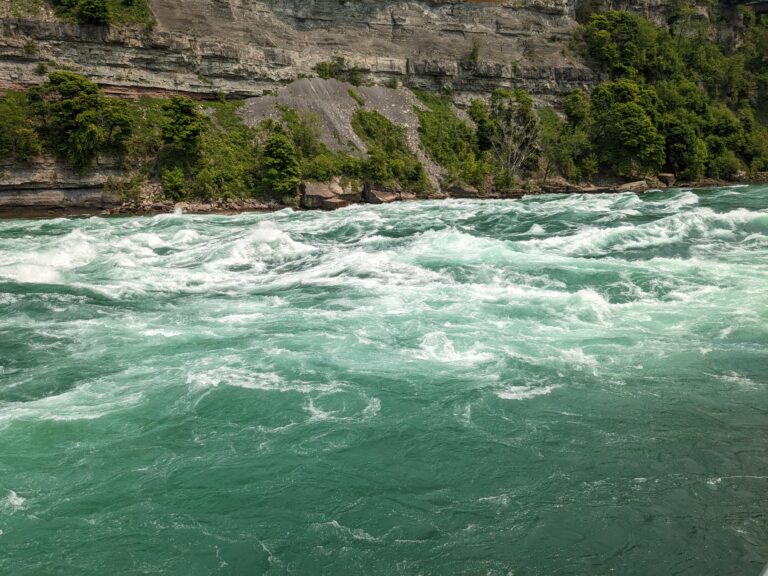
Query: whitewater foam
[524, 392]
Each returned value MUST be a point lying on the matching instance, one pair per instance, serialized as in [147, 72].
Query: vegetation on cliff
[677, 99]
[104, 12]
[673, 99]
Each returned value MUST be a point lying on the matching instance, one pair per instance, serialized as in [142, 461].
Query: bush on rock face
[280, 172]
[390, 161]
[76, 120]
[94, 12]
[182, 125]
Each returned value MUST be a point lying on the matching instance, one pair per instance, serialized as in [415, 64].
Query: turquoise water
[558, 385]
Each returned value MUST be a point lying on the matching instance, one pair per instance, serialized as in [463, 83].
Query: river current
[556, 385]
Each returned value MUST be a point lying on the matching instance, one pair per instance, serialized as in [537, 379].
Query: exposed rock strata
[244, 47]
[47, 183]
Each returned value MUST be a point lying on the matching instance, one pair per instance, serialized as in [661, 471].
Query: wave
[524, 392]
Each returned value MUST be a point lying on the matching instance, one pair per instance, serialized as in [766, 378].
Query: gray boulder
[637, 187]
[321, 196]
[667, 178]
[375, 194]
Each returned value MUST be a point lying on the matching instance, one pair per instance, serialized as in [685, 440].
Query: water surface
[558, 385]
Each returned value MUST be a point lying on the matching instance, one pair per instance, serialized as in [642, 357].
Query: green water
[558, 385]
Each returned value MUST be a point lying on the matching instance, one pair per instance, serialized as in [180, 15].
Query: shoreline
[235, 207]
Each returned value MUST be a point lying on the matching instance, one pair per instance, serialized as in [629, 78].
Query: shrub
[449, 141]
[76, 120]
[280, 171]
[390, 161]
[182, 125]
[18, 139]
[355, 95]
[174, 183]
[94, 12]
[725, 166]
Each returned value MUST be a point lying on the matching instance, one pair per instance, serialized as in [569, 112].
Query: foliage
[355, 95]
[449, 141]
[280, 171]
[390, 162]
[623, 129]
[514, 132]
[706, 101]
[174, 183]
[18, 141]
[93, 12]
[76, 120]
[566, 148]
[182, 124]
[105, 12]
[339, 69]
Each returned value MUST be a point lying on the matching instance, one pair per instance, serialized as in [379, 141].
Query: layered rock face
[245, 47]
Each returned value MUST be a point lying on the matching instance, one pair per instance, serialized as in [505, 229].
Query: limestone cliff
[244, 47]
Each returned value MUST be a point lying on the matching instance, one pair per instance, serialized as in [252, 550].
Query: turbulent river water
[557, 385]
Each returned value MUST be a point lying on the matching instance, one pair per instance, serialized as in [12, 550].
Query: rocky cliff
[245, 47]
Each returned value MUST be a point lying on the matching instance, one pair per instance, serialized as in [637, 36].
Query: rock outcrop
[48, 184]
[244, 48]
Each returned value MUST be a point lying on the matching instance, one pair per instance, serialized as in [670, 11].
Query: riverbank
[328, 196]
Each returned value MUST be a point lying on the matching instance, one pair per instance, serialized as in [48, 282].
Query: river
[557, 385]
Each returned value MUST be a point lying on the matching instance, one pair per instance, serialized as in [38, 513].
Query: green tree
[626, 44]
[478, 111]
[182, 125]
[576, 108]
[18, 139]
[92, 12]
[174, 183]
[686, 151]
[515, 136]
[624, 128]
[280, 172]
[76, 120]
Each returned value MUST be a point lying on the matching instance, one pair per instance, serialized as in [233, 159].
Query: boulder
[333, 203]
[637, 187]
[314, 193]
[554, 189]
[344, 189]
[667, 178]
[463, 191]
[575, 189]
[374, 194]
[593, 189]
[321, 196]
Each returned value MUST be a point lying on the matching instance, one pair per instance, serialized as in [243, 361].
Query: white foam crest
[372, 408]
[88, 401]
[252, 380]
[588, 305]
[354, 533]
[524, 392]
[162, 332]
[264, 243]
[701, 223]
[47, 260]
[676, 201]
[12, 502]
[737, 379]
[437, 347]
[452, 246]
[575, 357]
